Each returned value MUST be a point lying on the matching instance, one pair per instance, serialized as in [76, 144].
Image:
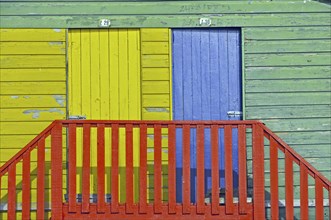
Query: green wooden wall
[286, 54]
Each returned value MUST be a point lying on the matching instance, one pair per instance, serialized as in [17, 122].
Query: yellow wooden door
[120, 74]
[104, 83]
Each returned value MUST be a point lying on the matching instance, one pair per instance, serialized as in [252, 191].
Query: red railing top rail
[30, 146]
[297, 157]
[165, 123]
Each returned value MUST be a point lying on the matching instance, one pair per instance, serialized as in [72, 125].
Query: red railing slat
[303, 192]
[129, 168]
[229, 206]
[157, 169]
[72, 167]
[41, 180]
[172, 168]
[289, 186]
[143, 169]
[12, 192]
[200, 169]
[114, 169]
[101, 167]
[242, 169]
[258, 173]
[186, 170]
[56, 169]
[26, 187]
[319, 198]
[86, 168]
[274, 179]
[214, 170]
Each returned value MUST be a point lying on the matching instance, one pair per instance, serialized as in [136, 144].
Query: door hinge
[77, 117]
[234, 113]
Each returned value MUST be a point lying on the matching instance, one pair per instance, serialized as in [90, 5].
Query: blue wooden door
[206, 86]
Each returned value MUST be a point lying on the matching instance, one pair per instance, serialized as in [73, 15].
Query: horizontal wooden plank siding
[133, 8]
[32, 95]
[288, 86]
[32, 83]
[156, 72]
[155, 44]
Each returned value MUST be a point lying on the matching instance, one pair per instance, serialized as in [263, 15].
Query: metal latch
[234, 113]
[77, 117]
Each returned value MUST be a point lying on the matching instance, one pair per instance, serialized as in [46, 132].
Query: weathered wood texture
[155, 72]
[287, 86]
[32, 84]
[170, 14]
[32, 95]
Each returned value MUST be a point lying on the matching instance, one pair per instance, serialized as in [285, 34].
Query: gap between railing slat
[319, 198]
[242, 169]
[26, 186]
[229, 206]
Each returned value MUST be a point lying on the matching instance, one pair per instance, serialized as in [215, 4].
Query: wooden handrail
[30, 146]
[297, 157]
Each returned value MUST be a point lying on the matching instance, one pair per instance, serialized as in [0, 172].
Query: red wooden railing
[82, 138]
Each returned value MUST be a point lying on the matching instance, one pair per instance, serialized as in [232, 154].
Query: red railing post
[289, 186]
[215, 190]
[242, 169]
[41, 180]
[274, 178]
[143, 170]
[258, 172]
[186, 170]
[172, 168]
[101, 167]
[303, 192]
[12, 192]
[72, 167]
[200, 169]
[56, 169]
[157, 169]
[86, 168]
[129, 167]
[26, 187]
[114, 168]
